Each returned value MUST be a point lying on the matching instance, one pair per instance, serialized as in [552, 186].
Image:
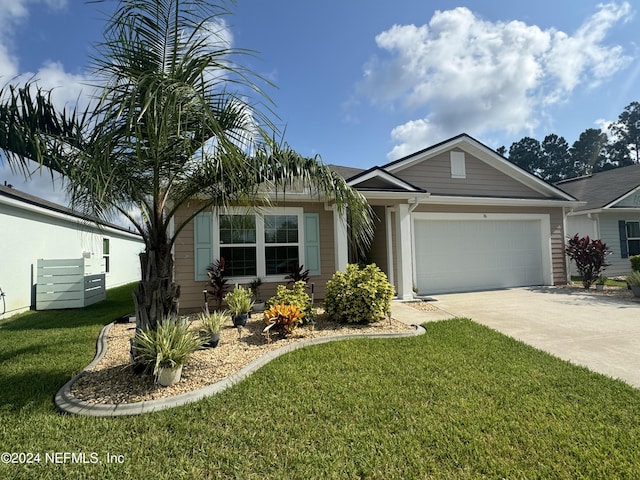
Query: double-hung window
[263, 244]
[633, 238]
[282, 247]
[238, 244]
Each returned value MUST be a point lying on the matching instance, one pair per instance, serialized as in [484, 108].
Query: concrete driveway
[599, 332]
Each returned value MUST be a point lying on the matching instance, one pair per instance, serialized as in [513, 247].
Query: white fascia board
[379, 173]
[67, 218]
[412, 197]
[491, 158]
[490, 201]
[622, 198]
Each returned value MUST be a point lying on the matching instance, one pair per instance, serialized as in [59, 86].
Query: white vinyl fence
[69, 283]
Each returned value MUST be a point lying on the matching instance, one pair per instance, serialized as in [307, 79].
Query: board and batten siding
[191, 296]
[556, 228]
[482, 180]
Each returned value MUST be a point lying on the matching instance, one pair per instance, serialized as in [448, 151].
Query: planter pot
[169, 376]
[258, 306]
[599, 287]
[240, 320]
[213, 341]
[636, 290]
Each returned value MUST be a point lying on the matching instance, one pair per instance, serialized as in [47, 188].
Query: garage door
[466, 255]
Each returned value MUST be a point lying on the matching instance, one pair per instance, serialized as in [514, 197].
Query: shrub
[285, 317]
[360, 295]
[633, 279]
[635, 263]
[217, 285]
[589, 257]
[296, 295]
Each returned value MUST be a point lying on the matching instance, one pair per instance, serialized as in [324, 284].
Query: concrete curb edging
[65, 402]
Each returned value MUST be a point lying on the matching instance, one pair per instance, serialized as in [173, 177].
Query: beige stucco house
[453, 217]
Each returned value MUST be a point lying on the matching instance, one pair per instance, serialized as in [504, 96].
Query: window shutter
[312, 243]
[622, 228]
[203, 243]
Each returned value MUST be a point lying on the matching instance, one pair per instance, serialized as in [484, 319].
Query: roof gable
[488, 173]
[615, 188]
[378, 179]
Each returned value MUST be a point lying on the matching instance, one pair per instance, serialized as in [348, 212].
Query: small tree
[589, 257]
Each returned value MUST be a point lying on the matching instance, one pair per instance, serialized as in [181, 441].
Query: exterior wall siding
[378, 251]
[482, 180]
[191, 296]
[30, 234]
[610, 235]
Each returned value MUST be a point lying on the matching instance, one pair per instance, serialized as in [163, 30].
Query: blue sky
[364, 82]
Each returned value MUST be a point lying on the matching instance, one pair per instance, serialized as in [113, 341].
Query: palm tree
[171, 121]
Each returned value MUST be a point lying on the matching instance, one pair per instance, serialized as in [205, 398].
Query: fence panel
[64, 283]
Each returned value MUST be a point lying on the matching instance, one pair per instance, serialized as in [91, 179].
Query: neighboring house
[453, 217]
[32, 229]
[611, 213]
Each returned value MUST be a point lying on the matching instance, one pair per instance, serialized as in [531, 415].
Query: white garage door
[466, 255]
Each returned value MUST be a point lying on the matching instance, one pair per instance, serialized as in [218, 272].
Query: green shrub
[360, 295]
[296, 295]
[635, 263]
[633, 279]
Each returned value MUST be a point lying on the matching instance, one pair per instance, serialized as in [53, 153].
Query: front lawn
[461, 401]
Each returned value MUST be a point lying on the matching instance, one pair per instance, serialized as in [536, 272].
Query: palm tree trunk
[157, 295]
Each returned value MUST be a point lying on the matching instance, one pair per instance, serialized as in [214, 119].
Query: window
[633, 238]
[264, 244]
[458, 167]
[105, 254]
[238, 244]
[281, 243]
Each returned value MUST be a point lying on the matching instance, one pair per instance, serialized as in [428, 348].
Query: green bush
[360, 295]
[635, 263]
[296, 295]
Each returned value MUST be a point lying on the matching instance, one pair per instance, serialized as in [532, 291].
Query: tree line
[595, 150]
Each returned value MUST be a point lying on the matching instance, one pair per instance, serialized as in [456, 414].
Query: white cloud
[462, 73]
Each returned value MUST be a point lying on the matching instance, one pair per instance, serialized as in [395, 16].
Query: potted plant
[240, 304]
[166, 349]
[211, 324]
[633, 280]
[258, 303]
[600, 282]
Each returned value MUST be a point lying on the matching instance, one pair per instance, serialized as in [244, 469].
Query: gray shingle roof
[346, 172]
[602, 188]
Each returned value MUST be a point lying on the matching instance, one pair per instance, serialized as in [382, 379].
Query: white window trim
[104, 260]
[260, 244]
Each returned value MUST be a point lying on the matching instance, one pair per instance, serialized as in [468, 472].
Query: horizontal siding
[434, 175]
[191, 296]
[610, 235]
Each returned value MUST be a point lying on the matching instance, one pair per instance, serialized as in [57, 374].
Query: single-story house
[453, 217]
[33, 229]
[611, 213]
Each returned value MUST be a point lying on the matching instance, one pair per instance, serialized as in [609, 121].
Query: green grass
[460, 402]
